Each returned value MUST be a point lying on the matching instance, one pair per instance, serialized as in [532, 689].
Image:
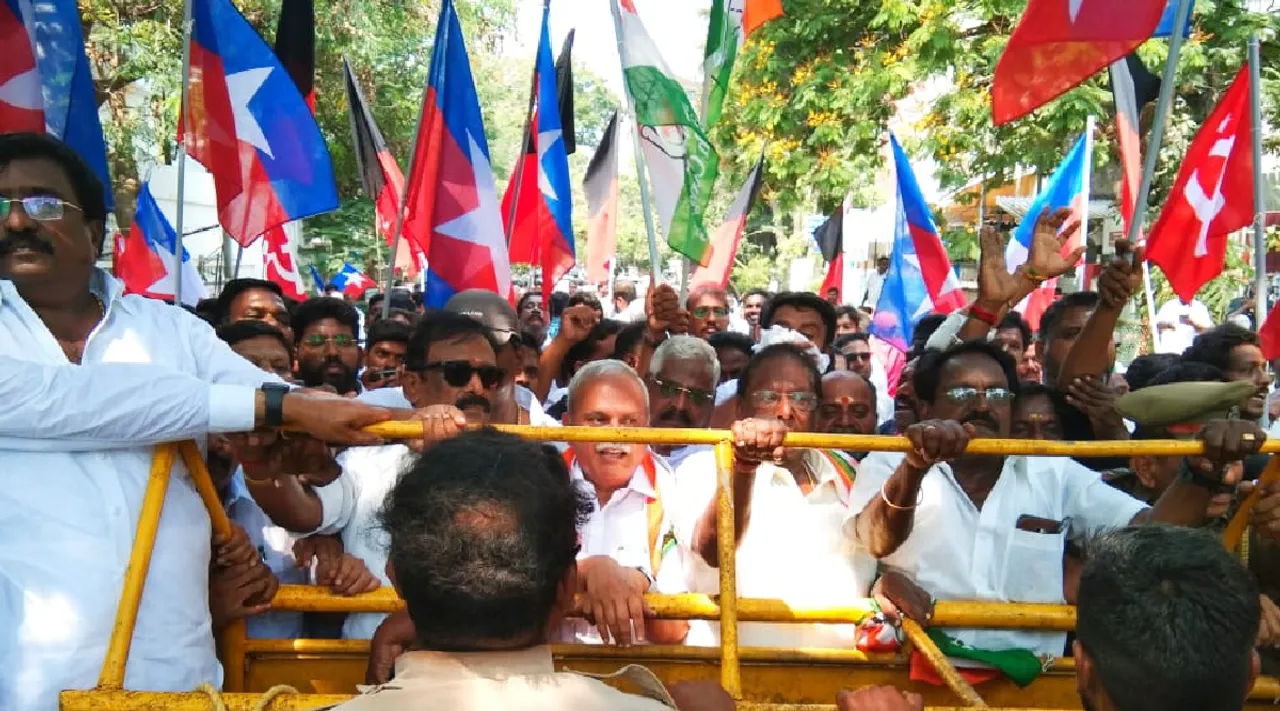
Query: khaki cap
[1185, 403]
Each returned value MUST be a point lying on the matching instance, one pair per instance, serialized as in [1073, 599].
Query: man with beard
[682, 390]
[451, 376]
[993, 527]
[624, 551]
[1235, 352]
[532, 318]
[709, 306]
[328, 353]
[848, 406]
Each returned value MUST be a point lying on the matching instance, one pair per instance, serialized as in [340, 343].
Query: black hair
[1188, 371]
[442, 326]
[1074, 423]
[925, 328]
[207, 310]
[386, 330]
[529, 339]
[846, 339]
[1213, 347]
[928, 376]
[1145, 368]
[584, 298]
[758, 292]
[90, 195]
[235, 288]
[528, 295]
[629, 338]
[1169, 618]
[706, 290]
[581, 351]
[847, 310]
[784, 351]
[1014, 320]
[237, 331]
[559, 302]
[1057, 310]
[802, 300]
[483, 529]
[731, 339]
[319, 308]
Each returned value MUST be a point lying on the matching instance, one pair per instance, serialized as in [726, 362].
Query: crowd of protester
[334, 506]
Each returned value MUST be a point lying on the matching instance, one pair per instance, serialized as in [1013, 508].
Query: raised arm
[575, 325]
[663, 316]
[1089, 355]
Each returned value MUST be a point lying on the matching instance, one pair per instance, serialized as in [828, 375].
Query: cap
[487, 308]
[1193, 403]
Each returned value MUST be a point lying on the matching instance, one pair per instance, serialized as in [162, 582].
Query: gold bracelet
[1035, 278]
[885, 498]
[259, 482]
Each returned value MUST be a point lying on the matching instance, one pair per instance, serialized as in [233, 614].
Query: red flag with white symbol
[281, 260]
[1212, 197]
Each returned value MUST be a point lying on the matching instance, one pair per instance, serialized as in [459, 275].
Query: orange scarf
[652, 508]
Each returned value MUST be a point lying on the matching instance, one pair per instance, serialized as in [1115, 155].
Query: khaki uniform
[524, 680]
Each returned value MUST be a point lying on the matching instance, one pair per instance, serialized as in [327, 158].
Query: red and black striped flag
[296, 46]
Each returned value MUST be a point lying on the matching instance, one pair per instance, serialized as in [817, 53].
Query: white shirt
[679, 454]
[957, 552]
[875, 282]
[351, 504]
[76, 446]
[792, 549]
[620, 530]
[275, 546]
[1180, 338]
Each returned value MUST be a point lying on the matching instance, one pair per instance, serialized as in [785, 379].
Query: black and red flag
[296, 46]
[380, 175]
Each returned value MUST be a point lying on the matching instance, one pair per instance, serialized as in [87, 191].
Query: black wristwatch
[1215, 486]
[274, 393]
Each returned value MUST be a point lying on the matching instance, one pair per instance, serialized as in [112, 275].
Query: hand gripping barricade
[759, 678]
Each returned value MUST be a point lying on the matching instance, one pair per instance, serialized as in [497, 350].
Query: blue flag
[319, 280]
[1165, 30]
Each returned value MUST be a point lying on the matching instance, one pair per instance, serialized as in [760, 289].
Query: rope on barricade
[215, 696]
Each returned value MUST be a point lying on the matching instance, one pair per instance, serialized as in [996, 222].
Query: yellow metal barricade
[784, 672]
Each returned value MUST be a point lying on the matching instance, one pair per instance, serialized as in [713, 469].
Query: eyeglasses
[41, 208]
[319, 340]
[697, 396]
[705, 311]
[457, 373]
[802, 401]
[964, 396]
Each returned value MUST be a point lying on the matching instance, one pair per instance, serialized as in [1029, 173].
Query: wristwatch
[1215, 486]
[274, 393]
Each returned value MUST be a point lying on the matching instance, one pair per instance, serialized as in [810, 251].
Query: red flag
[135, 263]
[1269, 335]
[1058, 44]
[1133, 86]
[296, 46]
[1212, 197]
[835, 277]
[724, 243]
[281, 260]
[601, 187]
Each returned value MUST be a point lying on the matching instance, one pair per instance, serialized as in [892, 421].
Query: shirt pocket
[1033, 568]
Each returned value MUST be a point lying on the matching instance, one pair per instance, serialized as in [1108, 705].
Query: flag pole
[182, 152]
[1181, 15]
[404, 200]
[656, 276]
[1261, 289]
[1082, 275]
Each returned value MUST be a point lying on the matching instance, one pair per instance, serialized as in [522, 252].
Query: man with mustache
[1235, 351]
[91, 380]
[451, 377]
[993, 527]
[627, 545]
[848, 406]
[328, 351]
[682, 381]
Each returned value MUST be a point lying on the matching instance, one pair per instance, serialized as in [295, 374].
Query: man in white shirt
[789, 507]
[451, 377]
[628, 547]
[984, 527]
[76, 437]
[682, 381]
[1177, 324]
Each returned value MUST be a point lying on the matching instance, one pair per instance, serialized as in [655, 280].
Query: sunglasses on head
[457, 373]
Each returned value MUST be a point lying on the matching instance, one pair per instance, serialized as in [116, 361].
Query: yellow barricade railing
[727, 608]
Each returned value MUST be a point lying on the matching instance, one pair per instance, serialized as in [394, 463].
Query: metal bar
[858, 443]
[1157, 127]
[1235, 531]
[135, 576]
[920, 640]
[182, 152]
[1259, 194]
[1082, 275]
[727, 544]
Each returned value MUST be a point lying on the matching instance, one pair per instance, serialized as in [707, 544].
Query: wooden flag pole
[656, 267]
[182, 152]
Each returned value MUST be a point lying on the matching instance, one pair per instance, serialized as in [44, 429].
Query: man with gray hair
[682, 381]
[627, 544]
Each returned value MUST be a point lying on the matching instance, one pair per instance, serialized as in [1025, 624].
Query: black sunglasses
[457, 373]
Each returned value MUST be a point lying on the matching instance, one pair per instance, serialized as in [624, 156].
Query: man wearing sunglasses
[682, 389]
[709, 306]
[988, 527]
[451, 379]
[91, 380]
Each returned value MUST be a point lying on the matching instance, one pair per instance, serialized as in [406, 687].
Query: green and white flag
[681, 160]
[731, 22]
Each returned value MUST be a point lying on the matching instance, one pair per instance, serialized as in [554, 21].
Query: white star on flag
[1073, 7]
[482, 226]
[23, 91]
[242, 87]
[546, 140]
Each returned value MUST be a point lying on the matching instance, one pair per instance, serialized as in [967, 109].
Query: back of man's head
[1167, 621]
[483, 531]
